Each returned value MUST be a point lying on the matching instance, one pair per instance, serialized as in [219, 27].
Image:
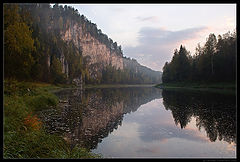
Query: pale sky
[150, 32]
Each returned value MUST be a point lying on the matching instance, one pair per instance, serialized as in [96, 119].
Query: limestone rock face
[64, 64]
[99, 55]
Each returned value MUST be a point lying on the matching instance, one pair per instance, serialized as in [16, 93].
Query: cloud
[148, 18]
[160, 44]
[163, 132]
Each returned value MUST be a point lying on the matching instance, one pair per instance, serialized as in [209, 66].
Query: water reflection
[87, 117]
[145, 122]
[216, 113]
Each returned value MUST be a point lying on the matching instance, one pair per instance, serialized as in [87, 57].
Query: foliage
[178, 69]
[214, 62]
[24, 135]
[31, 50]
[56, 71]
[133, 73]
[32, 122]
[18, 44]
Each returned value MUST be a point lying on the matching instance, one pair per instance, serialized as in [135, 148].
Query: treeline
[128, 76]
[213, 62]
[31, 51]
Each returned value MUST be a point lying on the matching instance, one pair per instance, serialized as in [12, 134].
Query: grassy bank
[24, 135]
[227, 88]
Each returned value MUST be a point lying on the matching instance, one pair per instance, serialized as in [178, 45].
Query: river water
[135, 122]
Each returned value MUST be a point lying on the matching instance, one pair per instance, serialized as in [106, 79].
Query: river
[135, 122]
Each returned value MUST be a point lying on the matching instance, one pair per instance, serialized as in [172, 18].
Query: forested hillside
[214, 62]
[58, 45]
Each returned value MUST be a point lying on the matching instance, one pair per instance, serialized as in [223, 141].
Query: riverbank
[117, 85]
[226, 88]
[24, 135]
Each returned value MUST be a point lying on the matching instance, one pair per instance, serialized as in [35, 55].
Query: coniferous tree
[214, 62]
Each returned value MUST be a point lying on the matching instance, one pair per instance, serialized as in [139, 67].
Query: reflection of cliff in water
[216, 113]
[86, 118]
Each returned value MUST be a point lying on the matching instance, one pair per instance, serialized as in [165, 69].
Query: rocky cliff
[101, 58]
[68, 48]
[98, 54]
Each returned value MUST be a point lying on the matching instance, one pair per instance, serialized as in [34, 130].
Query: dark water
[146, 122]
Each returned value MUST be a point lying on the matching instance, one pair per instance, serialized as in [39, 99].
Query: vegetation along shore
[24, 134]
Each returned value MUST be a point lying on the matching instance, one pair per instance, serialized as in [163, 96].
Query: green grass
[226, 88]
[22, 101]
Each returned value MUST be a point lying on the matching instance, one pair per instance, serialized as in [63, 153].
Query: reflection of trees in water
[87, 117]
[216, 113]
[181, 112]
[132, 97]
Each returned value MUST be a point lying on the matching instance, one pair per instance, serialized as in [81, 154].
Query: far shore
[226, 88]
[89, 86]
[117, 85]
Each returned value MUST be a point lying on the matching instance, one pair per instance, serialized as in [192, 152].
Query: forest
[213, 62]
[33, 47]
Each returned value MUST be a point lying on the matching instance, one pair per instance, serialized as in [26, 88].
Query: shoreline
[117, 85]
[226, 88]
[24, 132]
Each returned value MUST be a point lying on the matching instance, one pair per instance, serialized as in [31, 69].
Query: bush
[24, 136]
[42, 101]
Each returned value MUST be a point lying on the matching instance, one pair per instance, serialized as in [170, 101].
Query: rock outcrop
[98, 54]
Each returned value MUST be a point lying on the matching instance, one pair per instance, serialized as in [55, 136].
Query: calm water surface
[146, 122]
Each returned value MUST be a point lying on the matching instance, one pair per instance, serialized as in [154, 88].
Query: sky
[150, 33]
